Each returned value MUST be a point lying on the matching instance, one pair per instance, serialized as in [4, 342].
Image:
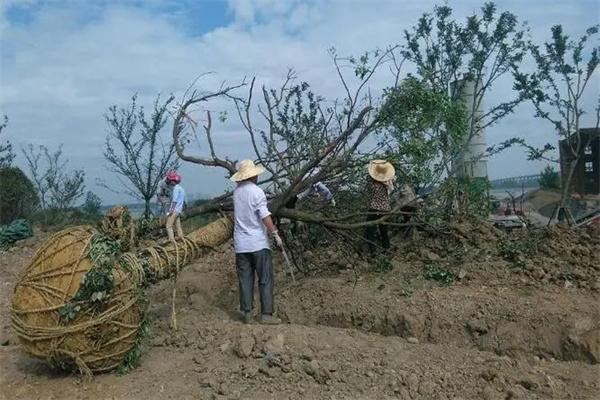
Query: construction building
[586, 177]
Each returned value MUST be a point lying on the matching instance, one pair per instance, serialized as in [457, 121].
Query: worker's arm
[265, 216]
[272, 229]
[325, 190]
[268, 221]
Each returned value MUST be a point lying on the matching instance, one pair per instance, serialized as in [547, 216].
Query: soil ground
[498, 332]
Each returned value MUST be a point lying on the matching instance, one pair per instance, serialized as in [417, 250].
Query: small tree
[137, 153]
[18, 196]
[563, 69]
[424, 130]
[549, 178]
[91, 207]
[6, 153]
[65, 189]
[448, 53]
[57, 189]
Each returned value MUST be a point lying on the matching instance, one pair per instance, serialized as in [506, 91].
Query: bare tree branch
[181, 117]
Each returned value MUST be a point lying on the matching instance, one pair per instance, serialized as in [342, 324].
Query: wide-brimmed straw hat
[247, 170]
[381, 170]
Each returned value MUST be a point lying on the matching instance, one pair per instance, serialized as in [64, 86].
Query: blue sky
[64, 62]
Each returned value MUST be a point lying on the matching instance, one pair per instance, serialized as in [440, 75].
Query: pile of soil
[542, 201]
[559, 254]
[492, 334]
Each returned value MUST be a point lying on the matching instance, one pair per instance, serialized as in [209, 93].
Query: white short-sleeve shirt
[249, 210]
[178, 199]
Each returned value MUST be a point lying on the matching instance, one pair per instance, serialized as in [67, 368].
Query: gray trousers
[247, 264]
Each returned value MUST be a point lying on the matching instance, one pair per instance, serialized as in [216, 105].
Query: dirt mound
[542, 201]
[488, 335]
[559, 254]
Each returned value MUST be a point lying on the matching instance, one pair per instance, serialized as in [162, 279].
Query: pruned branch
[181, 122]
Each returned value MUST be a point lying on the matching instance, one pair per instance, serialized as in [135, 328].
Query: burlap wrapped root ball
[79, 304]
[120, 225]
[93, 340]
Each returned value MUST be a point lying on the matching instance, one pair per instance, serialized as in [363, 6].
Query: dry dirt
[497, 333]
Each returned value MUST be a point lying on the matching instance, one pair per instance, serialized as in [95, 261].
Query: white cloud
[62, 71]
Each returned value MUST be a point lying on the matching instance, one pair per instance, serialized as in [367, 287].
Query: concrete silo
[472, 162]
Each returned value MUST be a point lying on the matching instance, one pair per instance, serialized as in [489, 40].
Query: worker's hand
[333, 203]
[275, 236]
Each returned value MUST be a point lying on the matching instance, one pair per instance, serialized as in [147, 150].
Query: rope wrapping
[96, 339]
[119, 225]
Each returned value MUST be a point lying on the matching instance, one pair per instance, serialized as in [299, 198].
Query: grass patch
[436, 273]
[383, 264]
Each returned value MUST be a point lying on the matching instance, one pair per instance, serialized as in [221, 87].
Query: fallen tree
[292, 131]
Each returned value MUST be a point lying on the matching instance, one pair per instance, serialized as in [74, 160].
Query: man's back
[178, 198]
[249, 209]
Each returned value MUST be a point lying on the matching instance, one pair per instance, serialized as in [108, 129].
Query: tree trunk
[164, 260]
[147, 212]
[562, 207]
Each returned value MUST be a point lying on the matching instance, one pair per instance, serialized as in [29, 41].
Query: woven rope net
[79, 303]
[119, 225]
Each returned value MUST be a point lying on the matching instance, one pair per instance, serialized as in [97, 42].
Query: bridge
[516, 182]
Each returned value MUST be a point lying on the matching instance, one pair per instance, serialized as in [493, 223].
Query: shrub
[91, 208]
[383, 264]
[18, 197]
[514, 249]
[549, 178]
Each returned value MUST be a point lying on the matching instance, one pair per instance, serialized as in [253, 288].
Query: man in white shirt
[252, 226]
[176, 207]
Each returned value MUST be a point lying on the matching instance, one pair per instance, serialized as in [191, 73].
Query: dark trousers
[371, 232]
[247, 265]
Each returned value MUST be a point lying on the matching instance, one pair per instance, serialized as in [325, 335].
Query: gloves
[333, 203]
[275, 236]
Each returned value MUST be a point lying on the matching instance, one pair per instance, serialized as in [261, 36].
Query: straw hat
[381, 170]
[247, 170]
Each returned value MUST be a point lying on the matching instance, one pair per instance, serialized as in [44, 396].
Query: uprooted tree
[292, 130]
[135, 149]
[97, 324]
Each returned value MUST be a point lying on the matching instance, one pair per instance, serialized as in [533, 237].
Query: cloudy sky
[64, 62]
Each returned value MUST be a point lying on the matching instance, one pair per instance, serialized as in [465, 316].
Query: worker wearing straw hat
[252, 226]
[379, 187]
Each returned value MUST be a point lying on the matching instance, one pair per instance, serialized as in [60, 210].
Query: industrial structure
[472, 162]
